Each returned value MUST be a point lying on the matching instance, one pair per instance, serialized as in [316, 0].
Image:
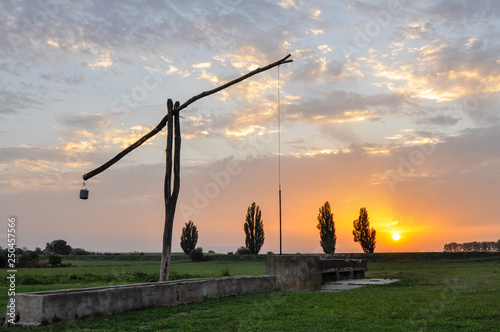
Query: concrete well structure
[295, 273]
[306, 273]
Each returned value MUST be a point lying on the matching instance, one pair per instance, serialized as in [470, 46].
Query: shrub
[196, 255]
[79, 251]
[230, 253]
[28, 259]
[55, 260]
[3, 259]
[243, 251]
[211, 252]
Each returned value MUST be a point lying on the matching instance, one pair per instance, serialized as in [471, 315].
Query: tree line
[29, 258]
[254, 232]
[472, 247]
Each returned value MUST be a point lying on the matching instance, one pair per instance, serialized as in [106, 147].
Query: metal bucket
[84, 193]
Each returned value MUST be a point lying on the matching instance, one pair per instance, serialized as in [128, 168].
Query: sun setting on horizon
[396, 236]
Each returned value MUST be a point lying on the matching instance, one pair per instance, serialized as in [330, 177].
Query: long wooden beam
[163, 121]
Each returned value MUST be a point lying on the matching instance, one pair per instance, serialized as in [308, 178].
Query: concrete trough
[48, 306]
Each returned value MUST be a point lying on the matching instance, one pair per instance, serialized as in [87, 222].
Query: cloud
[104, 60]
[343, 106]
[319, 69]
[85, 141]
[443, 72]
[418, 30]
[12, 103]
[291, 4]
[62, 79]
[440, 120]
[453, 13]
[88, 122]
[202, 65]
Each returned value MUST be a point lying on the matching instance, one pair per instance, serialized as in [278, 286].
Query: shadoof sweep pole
[171, 188]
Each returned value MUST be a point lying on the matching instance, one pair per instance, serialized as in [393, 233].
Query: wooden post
[171, 190]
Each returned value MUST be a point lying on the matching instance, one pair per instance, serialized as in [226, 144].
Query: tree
[472, 246]
[326, 226]
[362, 232]
[79, 252]
[254, 229]
[28, 259]
[197, 255]
[189, 237]
[60, 247]
[55, 260]
[243, 251]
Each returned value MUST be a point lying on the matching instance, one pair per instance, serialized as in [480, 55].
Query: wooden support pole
[171, 186]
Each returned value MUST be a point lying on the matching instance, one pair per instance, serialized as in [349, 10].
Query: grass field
[433, 295]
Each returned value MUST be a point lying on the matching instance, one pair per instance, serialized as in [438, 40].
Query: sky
[389, 105]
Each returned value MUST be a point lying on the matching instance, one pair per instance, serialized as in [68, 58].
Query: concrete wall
[35, 308]
[306, 273]
[295, 273]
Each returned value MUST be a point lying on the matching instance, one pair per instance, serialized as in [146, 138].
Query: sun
[396, 236]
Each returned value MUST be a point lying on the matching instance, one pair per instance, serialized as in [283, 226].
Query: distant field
[435, 293]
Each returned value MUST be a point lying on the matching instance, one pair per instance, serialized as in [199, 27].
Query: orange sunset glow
[393, 108]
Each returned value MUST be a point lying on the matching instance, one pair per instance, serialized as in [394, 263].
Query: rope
[279, 130]
[279, 155]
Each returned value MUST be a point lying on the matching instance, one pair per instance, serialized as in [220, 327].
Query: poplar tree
[189, 237]
[362, 232]
[326, 226]
[254, 229]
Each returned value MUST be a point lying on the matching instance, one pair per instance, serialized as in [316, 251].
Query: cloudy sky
[389, 105]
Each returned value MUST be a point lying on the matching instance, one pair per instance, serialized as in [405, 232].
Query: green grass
[110, 266]
[433, 295]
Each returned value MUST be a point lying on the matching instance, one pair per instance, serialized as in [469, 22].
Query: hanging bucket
[84, 193]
